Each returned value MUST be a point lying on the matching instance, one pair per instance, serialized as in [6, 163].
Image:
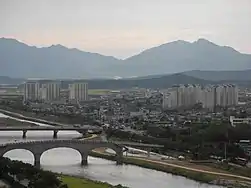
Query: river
[67, 161]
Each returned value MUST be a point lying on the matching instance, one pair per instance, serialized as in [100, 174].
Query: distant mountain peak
[57, 46]
[178, 42]
[11, 41]
[58, 61]
[204, 42]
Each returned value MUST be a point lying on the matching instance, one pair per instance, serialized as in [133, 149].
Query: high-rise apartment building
[170, 99]
[50, 91]
[31, 91]
[78, 91]
[209, 96]
[226, 95]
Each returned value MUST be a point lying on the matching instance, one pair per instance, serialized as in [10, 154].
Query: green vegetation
[197, 176]
[14, 172]
[198, 141]
[74, 182]
[9, 90]
[242, 171]
[98, 91]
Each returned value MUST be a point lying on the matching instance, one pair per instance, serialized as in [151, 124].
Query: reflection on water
[68, 161]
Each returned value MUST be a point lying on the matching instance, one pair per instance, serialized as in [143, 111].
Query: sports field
[98, 91]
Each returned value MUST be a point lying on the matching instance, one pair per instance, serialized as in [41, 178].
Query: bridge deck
[83, 142]
[39, 128]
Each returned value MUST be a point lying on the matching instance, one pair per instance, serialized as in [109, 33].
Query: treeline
[200, 141]
[20, 175]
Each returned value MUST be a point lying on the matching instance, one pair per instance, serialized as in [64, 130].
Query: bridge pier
[119, 158]
[55, 134]
[148, 152]
[84, 160]
[37, 160]
[24, 134]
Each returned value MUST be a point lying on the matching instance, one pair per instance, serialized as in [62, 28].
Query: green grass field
[98, 91]
[73, 182]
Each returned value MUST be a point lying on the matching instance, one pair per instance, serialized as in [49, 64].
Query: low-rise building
[235, 121]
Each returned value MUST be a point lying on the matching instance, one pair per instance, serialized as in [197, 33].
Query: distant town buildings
[236, 120]
[210, 96]
[78, 91]
[31, 91]
[47, 91]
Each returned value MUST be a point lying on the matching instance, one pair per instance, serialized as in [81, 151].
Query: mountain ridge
[239, 75]
[151, 81]
[20, 60]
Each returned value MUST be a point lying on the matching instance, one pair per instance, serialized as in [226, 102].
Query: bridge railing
[54, 141]
[79, 142]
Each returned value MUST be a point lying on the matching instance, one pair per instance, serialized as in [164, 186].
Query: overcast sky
[126, 27]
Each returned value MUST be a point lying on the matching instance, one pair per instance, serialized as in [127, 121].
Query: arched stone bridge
[84, 147]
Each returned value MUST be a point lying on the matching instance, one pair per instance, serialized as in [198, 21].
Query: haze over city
[125, 94]
[125, 28]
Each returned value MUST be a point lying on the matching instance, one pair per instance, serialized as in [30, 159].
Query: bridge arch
[26, 157]
[62, 153]
[83, 147]
[47, 146]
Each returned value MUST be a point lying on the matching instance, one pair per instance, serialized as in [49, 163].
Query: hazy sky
[125, 27]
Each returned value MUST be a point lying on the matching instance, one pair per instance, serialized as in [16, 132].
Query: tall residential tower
[31, 91]
[78, 91]
[50, 91]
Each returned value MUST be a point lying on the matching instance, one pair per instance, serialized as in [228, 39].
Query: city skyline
[210, 96]
[126, 28]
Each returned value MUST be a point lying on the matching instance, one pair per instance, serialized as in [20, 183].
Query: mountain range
[165, 81]
[244, 75]
[18, 60]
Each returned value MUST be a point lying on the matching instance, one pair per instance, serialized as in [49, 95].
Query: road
[196, 170]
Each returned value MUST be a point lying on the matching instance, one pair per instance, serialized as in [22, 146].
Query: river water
[67, 161]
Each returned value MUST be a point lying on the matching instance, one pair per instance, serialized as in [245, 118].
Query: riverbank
[223, 179]
[79, 182]
[28, 173]
[9, 122]
[28, 118]
[3, 184]
[194, 174]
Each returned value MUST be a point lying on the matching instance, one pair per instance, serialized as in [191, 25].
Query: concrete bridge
[37, 148]
[84, 147]
[54, 129]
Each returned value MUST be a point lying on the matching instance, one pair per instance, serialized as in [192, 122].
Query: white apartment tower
[209, 96]
[31, 91]
[50, 91]
[170, 99]
[226, 95]
[78, 91]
